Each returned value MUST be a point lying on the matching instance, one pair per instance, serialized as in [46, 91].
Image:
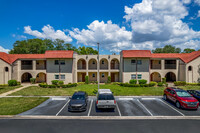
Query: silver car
[105, 99]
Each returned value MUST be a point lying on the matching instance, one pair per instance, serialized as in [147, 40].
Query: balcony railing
[155, 66]
[26, 67]
[40, 67]
[82, 67]
[115, 67]
[170, 66]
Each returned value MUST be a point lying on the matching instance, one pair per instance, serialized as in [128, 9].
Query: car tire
[165, 97]
[178, 105]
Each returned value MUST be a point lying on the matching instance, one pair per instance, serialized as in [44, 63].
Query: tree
[167, 49]
[188, 50]
[39, 46]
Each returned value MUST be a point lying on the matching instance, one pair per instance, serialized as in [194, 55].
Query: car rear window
[78, 97]
[105, 97]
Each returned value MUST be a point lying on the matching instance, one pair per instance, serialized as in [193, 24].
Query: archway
[26, 77]
[41, 77]
[170, 77]
[103, 63]
[92, 64]
[155, 76]
[114, 64]
[81, 64]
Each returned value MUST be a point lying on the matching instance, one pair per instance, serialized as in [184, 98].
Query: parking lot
[131, 106]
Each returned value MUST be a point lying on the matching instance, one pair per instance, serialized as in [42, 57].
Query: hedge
[55, 82]
[151, 84]
[133, 81]
[12, 82]
[179, 83]
[142, 81]
[45, 85]
[160, 83]
[86, 79]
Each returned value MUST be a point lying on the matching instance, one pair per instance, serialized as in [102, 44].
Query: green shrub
[60, 82]
[129, 85]
[116, 83]
[52, 86]
[151, 84]
[96, 82]
[81, 83]
[43, 85]
[142, 81]
[2, 85]
[18, 83]
[12, 82]
[193, 84]
[133, 81]
[179, 83]
[87, 80]
[69, 85]
[160, 83]
[109, 79]
[54, 82]
[164, 80]
[33, 80]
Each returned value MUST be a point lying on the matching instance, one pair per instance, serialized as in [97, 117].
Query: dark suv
[78, 101]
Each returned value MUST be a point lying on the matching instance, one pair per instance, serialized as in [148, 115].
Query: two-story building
[71, 67]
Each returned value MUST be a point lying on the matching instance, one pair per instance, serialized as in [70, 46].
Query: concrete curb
[101, 117]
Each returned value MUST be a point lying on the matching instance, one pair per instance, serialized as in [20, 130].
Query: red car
[181, 98]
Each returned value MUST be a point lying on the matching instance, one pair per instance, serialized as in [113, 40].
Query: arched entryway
[41, 77]
[155, 76]
[26, 77]
[103, 63]
[114, 64]
[92, 64]
[81, 64]
[170, 77]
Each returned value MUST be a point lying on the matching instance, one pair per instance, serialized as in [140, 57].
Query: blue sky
[116, 24]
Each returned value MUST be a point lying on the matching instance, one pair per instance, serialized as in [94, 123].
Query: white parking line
[118, 109]
[148, 98]
[55, 98]
[125, 98]
[62, 108]
[90, 108]
[145, 107]
[171, 107]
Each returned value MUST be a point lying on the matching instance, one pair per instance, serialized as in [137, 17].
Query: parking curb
[99, 117]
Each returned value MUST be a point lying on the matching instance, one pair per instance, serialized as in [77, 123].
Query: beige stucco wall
[5, 76]
[91, 78]
[53, 70]
[105, 65]
[195, 71]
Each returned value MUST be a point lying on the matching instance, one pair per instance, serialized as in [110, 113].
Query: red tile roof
[10, 58]
[186, 57]
[59, 54]
[136, 53]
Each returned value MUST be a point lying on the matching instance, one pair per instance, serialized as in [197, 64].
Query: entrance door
[112, 77]
[83, 64]
[83, 77]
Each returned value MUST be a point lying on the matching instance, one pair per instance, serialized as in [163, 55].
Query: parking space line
[118, 109]
[145, 107]
[171, 107]
[90, 107]
[62, 108]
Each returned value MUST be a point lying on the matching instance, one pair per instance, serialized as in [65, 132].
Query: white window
[139, 62]
[62, 76]
[133, 76]
[56, 76]
[102, 61]
[62, 62]
[56, 62]
[139, 76]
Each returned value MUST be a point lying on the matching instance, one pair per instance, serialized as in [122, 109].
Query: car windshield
[78, 97]
[106, 97]
[181, 93]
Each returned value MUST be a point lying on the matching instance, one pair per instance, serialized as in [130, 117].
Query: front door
[83, 77]
[112, 77]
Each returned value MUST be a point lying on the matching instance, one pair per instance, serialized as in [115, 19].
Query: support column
[162, 64]
[34, 65]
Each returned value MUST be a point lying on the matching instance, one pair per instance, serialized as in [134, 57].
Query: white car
[105, 99]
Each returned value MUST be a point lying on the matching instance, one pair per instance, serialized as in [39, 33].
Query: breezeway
[126, 106]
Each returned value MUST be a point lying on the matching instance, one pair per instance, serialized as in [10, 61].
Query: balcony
[40, 65]
[81, 65]
[26, 65]
[155, 64]
[170, 66]
[114, 64]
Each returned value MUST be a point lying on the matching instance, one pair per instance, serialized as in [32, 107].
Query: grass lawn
[4, 89]
[13, 106]
[189, 87]
[91, 89]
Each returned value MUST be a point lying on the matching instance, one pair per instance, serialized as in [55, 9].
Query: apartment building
[71, 67]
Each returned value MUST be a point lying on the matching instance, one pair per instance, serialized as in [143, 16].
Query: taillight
[115, 101]
[97, 102]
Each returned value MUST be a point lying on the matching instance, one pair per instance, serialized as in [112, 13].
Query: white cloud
[198, 15]
[186, 1]
[109, 35]
[4, 50]
[48, 32]
[19, 36]
[197, 2]
[156, 23]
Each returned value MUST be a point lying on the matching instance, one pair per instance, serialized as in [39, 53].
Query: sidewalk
[17, 89]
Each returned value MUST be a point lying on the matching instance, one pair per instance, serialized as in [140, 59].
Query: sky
[115, 24]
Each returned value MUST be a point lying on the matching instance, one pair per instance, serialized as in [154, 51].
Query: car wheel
[178, 105]
[165, 97]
